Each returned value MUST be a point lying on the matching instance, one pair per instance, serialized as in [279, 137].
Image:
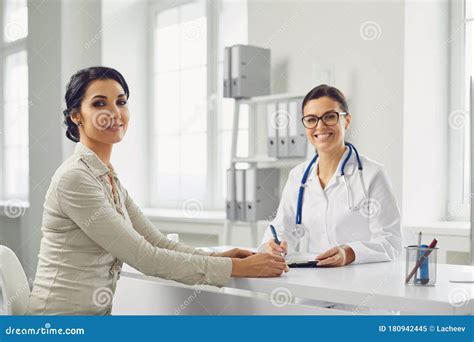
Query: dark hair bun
[72, 131]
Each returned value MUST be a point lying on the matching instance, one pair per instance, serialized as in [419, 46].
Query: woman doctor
[348, 213]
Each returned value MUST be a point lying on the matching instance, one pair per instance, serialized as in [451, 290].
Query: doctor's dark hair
[76, 89]
[325, 90]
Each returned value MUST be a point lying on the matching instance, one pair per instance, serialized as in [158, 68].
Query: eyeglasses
[329, 119]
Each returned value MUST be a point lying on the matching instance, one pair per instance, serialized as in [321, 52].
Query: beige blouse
[88, 234]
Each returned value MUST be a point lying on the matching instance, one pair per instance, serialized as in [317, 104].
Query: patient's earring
[76, 119]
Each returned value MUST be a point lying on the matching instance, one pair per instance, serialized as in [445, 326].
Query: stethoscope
[297, 230]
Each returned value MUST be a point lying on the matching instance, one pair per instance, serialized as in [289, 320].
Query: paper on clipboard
[292, 258]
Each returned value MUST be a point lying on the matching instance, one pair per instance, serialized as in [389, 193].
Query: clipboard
[302, 260]
[303, 264]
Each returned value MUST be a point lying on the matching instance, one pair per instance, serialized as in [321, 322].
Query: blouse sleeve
[83, 200]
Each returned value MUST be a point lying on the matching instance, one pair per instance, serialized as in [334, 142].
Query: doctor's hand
[234, 253]
[259, 265]
[272, 247]
[337, 256]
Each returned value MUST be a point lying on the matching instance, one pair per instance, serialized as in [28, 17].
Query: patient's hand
[234, 253]
[259, 265]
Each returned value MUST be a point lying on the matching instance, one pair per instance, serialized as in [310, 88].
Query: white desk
[379, 285]
[356, 287]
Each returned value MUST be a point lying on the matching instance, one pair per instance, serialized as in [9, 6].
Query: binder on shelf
[261, 193]
[296, 133]
[230, 196]
[249, 71]
[227, 74]
[272, 141]
[282, 122]
[240, 194]
[235, 69]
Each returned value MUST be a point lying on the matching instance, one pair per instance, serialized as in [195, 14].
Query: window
[469, 73]
[461, 69]
[14, 100]
[191, 133]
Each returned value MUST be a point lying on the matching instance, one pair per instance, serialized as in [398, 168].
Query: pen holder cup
[421, 263]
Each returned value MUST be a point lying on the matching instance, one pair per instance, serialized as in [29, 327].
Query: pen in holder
[421, 262]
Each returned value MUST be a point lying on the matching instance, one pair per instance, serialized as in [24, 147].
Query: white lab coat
[374, 236]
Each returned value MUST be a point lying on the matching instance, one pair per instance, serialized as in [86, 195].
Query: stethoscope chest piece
[299, 231]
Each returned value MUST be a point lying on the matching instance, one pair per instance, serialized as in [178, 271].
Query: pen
[419, 251]
[274, 233]
[423, 257]
[275, 237]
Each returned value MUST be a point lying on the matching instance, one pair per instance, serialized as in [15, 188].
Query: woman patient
[91, 224]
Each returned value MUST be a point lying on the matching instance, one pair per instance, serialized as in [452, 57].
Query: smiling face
[326, 139]
[104, 113]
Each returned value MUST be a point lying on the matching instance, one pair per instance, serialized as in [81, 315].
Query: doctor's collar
[351, 165]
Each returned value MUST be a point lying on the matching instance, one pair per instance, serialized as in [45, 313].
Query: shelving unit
[261, 160]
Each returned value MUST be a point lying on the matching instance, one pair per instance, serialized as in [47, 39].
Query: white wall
[425, 129]
[309, 39]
